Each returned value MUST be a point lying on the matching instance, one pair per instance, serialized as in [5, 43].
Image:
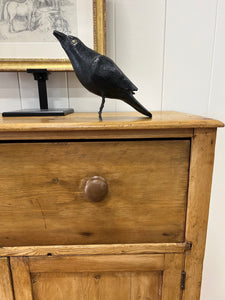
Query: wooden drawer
[42, 200]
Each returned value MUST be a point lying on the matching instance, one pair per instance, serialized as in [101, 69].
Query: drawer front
[43, 199]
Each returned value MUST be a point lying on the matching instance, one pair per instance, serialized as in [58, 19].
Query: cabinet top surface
[118, 120]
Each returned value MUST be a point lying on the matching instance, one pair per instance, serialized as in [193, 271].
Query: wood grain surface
[202, 157]
[101, 277]
[97, 286]
[98, 277]
[97, 263]
[6, 291]
[116, 121]
[95, 249]
[21, 278]
[96, 134]
[42, 199]
[171, 289]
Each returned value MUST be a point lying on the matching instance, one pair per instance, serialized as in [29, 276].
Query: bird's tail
[129, 99]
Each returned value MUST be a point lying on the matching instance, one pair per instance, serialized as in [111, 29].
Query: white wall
[174, 51]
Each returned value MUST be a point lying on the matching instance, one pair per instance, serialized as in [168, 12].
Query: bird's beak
[60, 36]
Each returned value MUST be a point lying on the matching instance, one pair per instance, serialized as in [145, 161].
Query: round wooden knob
[96, 188]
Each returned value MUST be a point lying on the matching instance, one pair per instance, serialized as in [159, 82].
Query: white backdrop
[174, 51]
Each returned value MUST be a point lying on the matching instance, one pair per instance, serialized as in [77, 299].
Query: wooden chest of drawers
[104, 210]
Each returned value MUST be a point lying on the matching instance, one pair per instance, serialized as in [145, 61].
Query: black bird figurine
[99, 74]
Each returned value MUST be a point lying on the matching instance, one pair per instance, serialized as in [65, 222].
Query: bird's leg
[101, 108]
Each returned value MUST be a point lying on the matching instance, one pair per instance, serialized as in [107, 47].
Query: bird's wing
[107, 73]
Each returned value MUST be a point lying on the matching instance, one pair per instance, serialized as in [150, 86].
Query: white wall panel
[213, 285]
[139, 48]
[9, 92]
[216, 105]
[28, 91]
[56, 89]
[190, 28]
[213, 281]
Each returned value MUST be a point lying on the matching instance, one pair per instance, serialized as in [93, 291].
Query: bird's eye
[74, 42]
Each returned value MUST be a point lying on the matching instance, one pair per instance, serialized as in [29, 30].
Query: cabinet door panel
[96, 286]
[146, 285]
[111, 277]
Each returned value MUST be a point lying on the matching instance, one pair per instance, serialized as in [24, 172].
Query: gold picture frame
[99, 37]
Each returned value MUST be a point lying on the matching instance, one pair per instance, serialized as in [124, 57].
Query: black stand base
[38, 112]
[41, 75]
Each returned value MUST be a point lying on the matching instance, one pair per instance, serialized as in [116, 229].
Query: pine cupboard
[111, 210]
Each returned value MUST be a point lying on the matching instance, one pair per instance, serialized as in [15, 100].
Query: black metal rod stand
[41, 75]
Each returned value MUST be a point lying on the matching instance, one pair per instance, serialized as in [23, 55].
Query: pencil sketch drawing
[34, 20]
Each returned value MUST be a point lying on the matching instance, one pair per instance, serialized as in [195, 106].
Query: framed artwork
[26, 31]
